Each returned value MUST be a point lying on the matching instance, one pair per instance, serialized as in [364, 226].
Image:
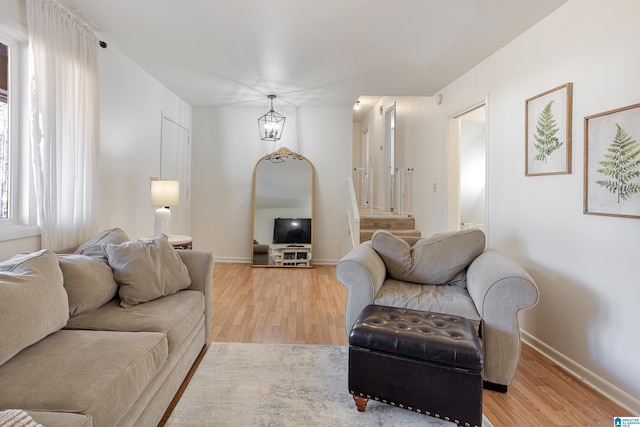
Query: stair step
[388, 222]
[366, 234]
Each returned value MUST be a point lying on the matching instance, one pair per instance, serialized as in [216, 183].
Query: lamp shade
[165, 193]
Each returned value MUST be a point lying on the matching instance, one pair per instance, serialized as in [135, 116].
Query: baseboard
[245, 260]
[325, 261]
[589, 378]
[239, 260]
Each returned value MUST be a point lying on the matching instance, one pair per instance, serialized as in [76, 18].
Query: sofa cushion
[95, 373]
[94, 247]
[34, 302]
[147, 270]
[89, 283]
[436, 260]
[438, 299]
[176, 315]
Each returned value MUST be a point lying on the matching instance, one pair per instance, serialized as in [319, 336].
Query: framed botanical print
[548, 132]
[612, 163]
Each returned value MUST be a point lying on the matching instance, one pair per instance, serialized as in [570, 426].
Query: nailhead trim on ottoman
[425, 362]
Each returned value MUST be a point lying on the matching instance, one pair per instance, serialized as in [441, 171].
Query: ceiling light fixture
[271, 124]
[357, 106]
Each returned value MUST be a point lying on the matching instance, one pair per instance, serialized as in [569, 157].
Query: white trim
[245, 260]
[13, 28]
[223, 259]
[18, 232]
[584, 375]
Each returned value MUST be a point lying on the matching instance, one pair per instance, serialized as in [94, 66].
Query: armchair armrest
[200, 265]
[500, 288]
[363, 272]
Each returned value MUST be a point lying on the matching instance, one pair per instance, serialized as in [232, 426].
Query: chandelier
[271, 124]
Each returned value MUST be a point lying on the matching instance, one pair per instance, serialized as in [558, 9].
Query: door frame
[389, 160]
[453, 193]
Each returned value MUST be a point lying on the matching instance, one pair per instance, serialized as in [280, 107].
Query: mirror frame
[281, 156]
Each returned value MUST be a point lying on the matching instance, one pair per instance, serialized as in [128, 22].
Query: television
[292, 230]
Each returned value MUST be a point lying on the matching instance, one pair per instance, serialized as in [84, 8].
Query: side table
[177, 241]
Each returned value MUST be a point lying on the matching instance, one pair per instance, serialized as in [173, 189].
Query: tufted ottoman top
[437, 338]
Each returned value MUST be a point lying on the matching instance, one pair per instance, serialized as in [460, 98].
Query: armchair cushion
[437, 299]
[436, 260]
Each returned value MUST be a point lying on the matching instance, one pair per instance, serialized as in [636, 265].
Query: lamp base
[162, 224]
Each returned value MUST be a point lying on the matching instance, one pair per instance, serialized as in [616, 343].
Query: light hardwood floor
[280, 305]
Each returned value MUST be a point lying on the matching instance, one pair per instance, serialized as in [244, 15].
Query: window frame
[13, 102]
[22, 220]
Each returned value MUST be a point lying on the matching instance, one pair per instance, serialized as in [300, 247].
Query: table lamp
[163, 195]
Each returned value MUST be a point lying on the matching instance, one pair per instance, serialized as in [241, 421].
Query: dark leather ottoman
[425, 362]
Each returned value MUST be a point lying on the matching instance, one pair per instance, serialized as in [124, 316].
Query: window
[17, 209]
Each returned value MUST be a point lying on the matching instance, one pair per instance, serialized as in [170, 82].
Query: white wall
[584, 265]
[131, 107]
[226, 147]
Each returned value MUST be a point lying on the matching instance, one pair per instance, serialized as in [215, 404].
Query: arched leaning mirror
[282, 211]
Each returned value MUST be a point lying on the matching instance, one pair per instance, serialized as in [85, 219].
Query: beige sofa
[450, 273]
[104, 336]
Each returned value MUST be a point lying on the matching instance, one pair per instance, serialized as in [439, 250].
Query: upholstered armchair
[450, 273]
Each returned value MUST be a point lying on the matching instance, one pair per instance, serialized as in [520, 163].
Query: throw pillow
[34, 303]
[94, 247]
[89, 282]
[147, 270]
[436, 260]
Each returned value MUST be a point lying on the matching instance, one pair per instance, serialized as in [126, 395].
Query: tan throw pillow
[34, 303]
[94, 247]
[147, 270]
[89, 282]
[435, 260]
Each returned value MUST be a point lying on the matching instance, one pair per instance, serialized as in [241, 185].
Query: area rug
[281, 385]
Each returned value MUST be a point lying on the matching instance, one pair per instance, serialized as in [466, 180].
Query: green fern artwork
[546, 129]
[622, 166]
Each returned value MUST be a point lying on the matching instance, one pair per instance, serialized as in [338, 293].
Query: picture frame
[548, 119]
[612, 163]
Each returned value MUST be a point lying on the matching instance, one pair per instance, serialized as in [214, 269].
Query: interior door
[175, 165]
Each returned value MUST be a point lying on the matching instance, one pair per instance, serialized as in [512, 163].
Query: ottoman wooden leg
[361, 402]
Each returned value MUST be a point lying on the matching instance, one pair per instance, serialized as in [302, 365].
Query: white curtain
[64, 123]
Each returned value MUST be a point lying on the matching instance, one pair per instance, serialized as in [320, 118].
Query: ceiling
[308, 53]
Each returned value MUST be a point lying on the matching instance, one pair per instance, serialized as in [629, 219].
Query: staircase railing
[363, 185]
[404, 191]
[353, 214]
[362, 179]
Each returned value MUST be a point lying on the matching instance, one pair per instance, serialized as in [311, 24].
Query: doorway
[468, 169]
[175, 165]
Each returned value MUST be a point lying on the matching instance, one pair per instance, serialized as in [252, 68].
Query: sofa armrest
[500, 288]
[200, 265]
[363, 272]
